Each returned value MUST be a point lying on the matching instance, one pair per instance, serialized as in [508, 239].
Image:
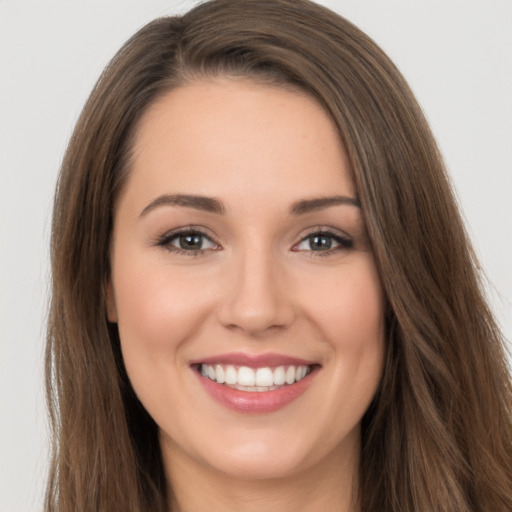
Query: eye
[323, 242]
[189, 241]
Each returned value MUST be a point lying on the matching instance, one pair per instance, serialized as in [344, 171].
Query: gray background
[455, 54]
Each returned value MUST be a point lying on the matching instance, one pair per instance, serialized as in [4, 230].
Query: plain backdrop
[455, 54]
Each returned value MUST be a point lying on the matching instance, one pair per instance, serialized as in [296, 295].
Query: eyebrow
[212, 205]
[207, 204]
[311, 205]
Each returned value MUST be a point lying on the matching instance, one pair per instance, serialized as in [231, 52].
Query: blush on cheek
[158, 312]
[350, 310]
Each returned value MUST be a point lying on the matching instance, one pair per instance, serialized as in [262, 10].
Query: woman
[263, 294]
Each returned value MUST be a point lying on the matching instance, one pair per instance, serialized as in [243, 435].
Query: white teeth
[220, 376]
[231, 375]
[246, 376]
[279, 375]
[249, 379]
[264, 377]
[254, 389]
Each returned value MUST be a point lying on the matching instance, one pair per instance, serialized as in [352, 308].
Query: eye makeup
[194, 241]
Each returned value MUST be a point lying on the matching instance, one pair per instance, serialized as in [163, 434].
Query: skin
[257, 285]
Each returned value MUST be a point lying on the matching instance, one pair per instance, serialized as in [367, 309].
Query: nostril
[256, 317]
[255, 298]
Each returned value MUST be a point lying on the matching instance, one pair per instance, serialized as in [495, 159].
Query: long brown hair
[438, 435]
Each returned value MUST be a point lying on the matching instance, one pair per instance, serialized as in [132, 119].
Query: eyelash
[165, 241]
[344, 242]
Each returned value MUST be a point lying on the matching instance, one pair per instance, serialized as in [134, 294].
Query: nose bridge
[255, 298]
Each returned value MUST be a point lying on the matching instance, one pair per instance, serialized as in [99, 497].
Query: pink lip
[253, 360]
[249, 401]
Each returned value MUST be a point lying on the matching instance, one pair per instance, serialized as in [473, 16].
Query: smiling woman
[263, 295]
[258, 296]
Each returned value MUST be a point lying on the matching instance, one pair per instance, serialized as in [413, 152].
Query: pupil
[191, 242]
[320, 242]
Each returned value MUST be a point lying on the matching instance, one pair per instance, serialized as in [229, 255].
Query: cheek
[159, 309]
[348, 311]
[348, 308]
[158, 306]
[349, 314]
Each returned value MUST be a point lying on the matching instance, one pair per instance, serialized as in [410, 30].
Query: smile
[255, 384]
[249, 379]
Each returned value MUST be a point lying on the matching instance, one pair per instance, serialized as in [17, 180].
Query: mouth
[255, 384]
[259, 380]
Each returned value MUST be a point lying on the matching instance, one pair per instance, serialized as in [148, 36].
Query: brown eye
[191, 242]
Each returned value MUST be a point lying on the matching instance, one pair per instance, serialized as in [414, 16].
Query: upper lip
[253, 360]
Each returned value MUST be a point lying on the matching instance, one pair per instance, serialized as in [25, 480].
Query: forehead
[238, 139]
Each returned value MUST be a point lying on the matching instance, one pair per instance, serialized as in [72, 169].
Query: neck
[331, 484]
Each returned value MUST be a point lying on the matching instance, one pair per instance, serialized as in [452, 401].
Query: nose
[255, 297]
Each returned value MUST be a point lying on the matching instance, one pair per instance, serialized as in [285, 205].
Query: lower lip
[256, 401]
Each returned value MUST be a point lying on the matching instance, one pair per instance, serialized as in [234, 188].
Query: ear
[110, 302]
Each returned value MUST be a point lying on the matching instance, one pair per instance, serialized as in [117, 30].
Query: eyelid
[167, 237]
[204, 238]
[344, 241]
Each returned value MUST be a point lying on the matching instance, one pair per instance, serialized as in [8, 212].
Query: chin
[264, 453]
[255, 462]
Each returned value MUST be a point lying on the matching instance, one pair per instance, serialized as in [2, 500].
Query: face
[249, 308]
